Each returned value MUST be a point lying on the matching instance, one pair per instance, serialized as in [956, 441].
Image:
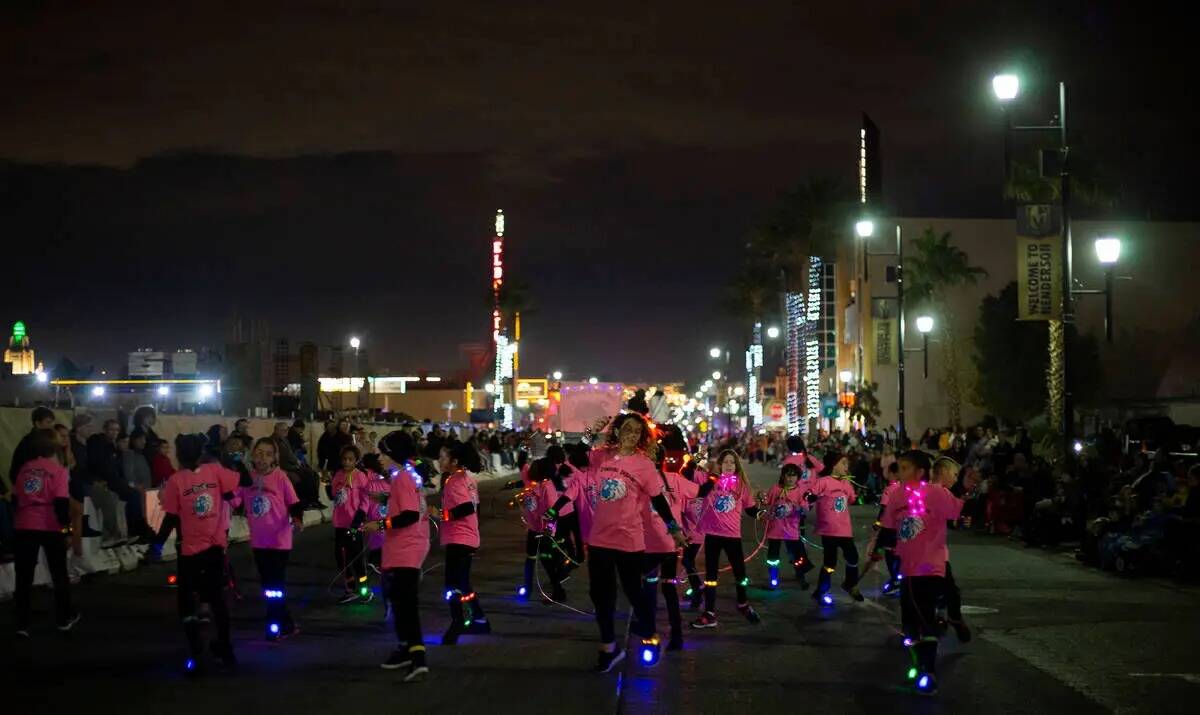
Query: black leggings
[661, 569]
[539, 548]
[272, 570]
[795, 549]
[830, 546]
[202, 580]
[347, 549]
[26, 544]
[690, 552]
[952, 595]
[403, 589]
[604, 567]
[568, 532]
[713, 546]
[458, 582]
[918, 605]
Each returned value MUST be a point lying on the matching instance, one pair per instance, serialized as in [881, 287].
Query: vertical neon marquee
[499, 338]
[812, 342]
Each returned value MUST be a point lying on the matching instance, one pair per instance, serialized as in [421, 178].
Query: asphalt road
[1051, 636]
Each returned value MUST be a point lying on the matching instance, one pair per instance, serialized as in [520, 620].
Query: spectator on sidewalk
[295, 438]
[144, 418]
[161, 467]
[241, 430]
[327, 453]
[42, 418]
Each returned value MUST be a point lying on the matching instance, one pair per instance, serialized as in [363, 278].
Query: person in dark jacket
[327, 452]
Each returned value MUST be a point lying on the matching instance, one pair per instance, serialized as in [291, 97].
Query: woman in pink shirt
[192, 501]
[628, 485]
[272, 510]
[405, 546]
[459, 534]
[722, 526]
[785, 509]
[43, 517]
[833, 494]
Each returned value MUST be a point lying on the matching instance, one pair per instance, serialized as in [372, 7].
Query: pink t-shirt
[785, 509]
[266, 505]
[834, 497]
[531, 507]
[581, 490]
[693, 510]
[459, 488]
[195, 497]
[888, 520]
[624, 487]
[348, 497]
[679, 491]
[921, 511]
[724, 505]
[547, 496]
[801, 459]
[376, 510]
[38, 483]
[406, 547]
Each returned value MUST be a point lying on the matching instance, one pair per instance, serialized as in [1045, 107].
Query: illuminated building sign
[794, 304]
[812, 343]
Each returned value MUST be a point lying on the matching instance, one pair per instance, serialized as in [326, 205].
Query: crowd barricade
[113, 557]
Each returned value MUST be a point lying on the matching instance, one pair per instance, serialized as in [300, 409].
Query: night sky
[333, 167]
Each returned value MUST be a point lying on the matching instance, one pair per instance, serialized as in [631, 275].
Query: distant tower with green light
[19, 353]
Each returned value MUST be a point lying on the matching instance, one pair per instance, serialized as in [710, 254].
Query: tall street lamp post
[865, 229]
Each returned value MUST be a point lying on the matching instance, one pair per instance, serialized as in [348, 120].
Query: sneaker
[749, 612]
[856, 594]
[367, 598]
[606, 660]
[961, 631]
[66, 627]
[479, 627]
[398, 659]
[416, 672]
[926, 684]
[708, 619]
[348, 597]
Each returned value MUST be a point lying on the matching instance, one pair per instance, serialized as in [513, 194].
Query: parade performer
[459, 535]
[405, 545]
[833, 494]
[785, 507]
[945, 474]
[348, 492]
[272, 511]
[882, 545]
[722, 527]
[192, 502]
[378, 482]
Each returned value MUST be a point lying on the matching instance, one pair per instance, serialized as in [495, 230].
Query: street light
[206, 391]
[716, 374]
[355, 343]
[924, 327]
[1006, 86]
[42, 377]
[163, 390]
[714, 353]
[846, 376]
[557, 374]
[1108, 250]
[865, 228]
[772, 332]
[98, 391]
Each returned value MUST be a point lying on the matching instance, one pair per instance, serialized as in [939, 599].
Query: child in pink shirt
[833, 494]
[405, 546]
[540, 542]
[272, 510]
[721, 523]
[348, 492]
[42, 504]
[920, 510]
[885, 533]
[193, 500]
[785, 508]
[693, 509]
[376, 506]
[459, 535]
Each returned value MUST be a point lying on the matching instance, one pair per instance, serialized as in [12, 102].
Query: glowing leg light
[827, 600]
[912, 673]
[650, 651]
[274, 629]
[522, 592]
[190, 665]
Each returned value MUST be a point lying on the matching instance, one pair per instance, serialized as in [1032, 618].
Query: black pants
[26, 544]
[796, 552]
[830, 546]
[690, 552]
[458, 585]
[202, 580]
[347, 549]
[713, 546]
[403, 588]
[538, 548]
[952, 595]
[568, 532]
[660, 570]
[605, 566]
[272, 570]
[918, 611]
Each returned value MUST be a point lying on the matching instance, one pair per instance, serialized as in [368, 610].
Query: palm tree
[514, 299]
[936, 267]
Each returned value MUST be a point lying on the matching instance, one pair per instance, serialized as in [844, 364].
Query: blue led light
[647, 656]
[908, 642]
[827, 600]
[521, 591]
[923, 683]
[774, 582]
[190, 664]
[449, 595]
[274, 628]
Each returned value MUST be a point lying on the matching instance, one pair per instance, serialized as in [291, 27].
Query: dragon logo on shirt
[259, 506]
[339, 497]
[783, 511]
[724, 504]
[529, 503]
[202, 505]
[910, 527]
[612, 490]
[382, 511]
[33, 484]
[696, 507]
[839, 504]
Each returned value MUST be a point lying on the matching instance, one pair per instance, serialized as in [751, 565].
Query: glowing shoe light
[522, 591]
[172, 580]
[908, 642]
[647, 656]
[774, 582]
[923, 683]
[912, 673]
[827, 600]
[689, 592]
[274, 629]
[363, 591]
[650, 651]
[189, 665]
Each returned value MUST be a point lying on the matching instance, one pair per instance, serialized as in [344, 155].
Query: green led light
[363, 590]
[912, 673]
